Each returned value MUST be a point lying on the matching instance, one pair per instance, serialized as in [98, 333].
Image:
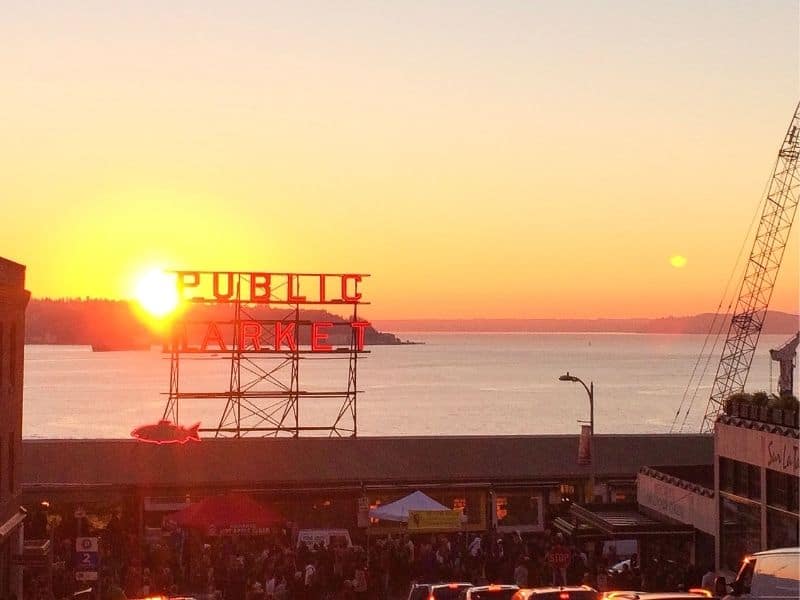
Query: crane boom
[760, 273]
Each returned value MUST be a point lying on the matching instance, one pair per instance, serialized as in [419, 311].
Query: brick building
[13, 300]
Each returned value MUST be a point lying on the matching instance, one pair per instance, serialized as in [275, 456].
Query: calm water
[453, 384]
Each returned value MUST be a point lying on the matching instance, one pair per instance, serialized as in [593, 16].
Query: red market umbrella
[228, 514]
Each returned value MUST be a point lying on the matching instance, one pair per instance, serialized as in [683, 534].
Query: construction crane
[785, 356]
[760, 274]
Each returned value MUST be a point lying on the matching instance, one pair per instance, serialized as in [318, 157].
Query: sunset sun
[155, 292]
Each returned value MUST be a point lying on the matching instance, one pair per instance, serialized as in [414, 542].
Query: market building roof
[291, 462]
[695, 478]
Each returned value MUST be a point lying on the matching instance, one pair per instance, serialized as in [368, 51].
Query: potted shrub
[759, 410]
[776, 410]
[728, 406]
[739, 402]
[790, 408]
[736, 402]
[744, 409]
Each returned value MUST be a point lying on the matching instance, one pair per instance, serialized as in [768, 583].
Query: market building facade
[757, 477]
[507, 483]
[745, 500]
[13, 301]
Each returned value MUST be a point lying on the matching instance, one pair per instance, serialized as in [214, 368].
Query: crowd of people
[274, 567]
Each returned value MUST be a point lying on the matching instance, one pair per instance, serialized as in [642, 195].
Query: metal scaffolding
[263, 395]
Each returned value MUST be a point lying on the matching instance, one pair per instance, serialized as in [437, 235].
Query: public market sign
[273, 289]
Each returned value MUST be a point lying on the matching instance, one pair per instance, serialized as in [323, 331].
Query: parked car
[437, 591]
[490, 592]
[697, 594]
[619, 567]
[583, 592]
[769, 574]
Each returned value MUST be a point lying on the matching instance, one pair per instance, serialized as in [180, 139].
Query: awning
[398, 510]
[616, 520]
[228, 514]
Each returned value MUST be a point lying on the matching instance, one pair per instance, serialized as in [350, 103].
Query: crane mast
[760, 274]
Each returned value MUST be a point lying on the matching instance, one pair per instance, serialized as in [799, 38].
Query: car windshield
[493, 594]
[569, 595]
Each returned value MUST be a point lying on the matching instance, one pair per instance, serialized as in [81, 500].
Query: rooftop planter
[764, 407]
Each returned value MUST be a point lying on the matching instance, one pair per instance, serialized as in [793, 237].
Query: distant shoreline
[775, 323]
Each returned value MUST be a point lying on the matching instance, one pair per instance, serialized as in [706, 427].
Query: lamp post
[589, 390]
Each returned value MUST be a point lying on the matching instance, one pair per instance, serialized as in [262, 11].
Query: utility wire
[718, 315]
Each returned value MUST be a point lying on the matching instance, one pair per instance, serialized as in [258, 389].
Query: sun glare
[156, 293]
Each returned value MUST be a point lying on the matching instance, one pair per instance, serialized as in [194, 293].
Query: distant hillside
[85, 322]
[776, 322]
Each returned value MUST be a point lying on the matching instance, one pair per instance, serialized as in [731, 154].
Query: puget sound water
[453, 384]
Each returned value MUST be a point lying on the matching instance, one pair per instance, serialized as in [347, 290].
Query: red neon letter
[346, 297]
[286, 335]
[183, 284]
[318, 338]
[290, 297]
[359, 327]
[259, 290]
[213, 334]
[253, 331]
[229, 286]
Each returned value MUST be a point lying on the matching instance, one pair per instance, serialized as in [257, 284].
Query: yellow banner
[434, 520]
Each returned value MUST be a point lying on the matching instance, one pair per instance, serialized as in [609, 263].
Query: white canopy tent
[398, 510]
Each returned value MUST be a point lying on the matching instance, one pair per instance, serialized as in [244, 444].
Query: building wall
[756, 477]
[677, 503]
[13, 301]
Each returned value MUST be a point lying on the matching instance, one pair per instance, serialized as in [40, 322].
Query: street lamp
[589, 390]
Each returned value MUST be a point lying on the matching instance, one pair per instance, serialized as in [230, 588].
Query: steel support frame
[258, 401]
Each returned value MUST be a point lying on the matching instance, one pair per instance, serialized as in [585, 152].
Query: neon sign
[269, 288]
[263, 324]
[264, 336]
[260, 288]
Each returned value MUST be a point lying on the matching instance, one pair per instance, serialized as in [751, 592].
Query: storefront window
[469, 503]
[374, 505]
[777, 489]
[740, 478]
[726, 474]
[519, 510]
[782, 490]
[748, 481]
[623, 495]
[782, 529]
[741, 531]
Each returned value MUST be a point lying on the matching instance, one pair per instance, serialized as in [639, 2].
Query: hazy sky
[498, 159]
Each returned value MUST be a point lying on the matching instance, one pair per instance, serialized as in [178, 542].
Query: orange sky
[502, 159]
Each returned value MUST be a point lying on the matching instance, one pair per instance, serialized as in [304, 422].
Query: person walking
[360, 582]
[521, 573]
